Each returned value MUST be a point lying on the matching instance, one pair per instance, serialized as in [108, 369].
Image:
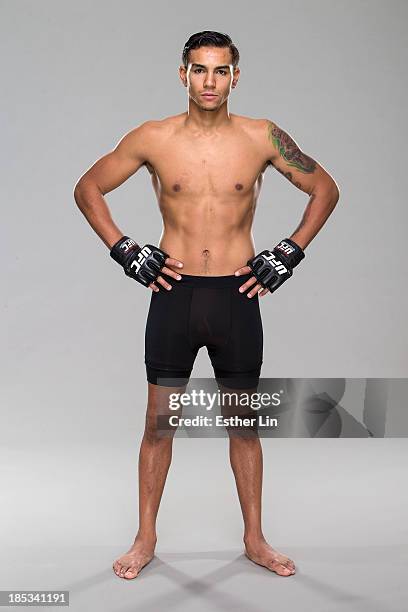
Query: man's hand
[272, 268]
[144, 264]
[170, 261]
[249, 283]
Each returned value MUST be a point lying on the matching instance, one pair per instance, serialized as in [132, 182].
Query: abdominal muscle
[212, 241]
[209, 258]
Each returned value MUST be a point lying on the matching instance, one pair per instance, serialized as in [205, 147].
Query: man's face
[209, 72]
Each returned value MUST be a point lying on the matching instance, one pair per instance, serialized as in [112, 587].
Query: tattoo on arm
[289, 150]
[290, 178]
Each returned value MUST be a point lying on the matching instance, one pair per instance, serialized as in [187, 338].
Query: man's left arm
[271, 268]
[308, 176]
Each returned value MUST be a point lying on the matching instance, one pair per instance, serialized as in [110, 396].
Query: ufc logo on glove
[142, 264]
[285, 247]
[278, 265]
[141, 258]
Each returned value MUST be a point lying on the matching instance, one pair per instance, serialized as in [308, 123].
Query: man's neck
[207, 121]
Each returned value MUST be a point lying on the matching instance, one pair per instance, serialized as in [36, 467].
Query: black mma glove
[273, 268]
[141, 263]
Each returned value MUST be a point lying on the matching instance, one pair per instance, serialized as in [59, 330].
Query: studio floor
[337, 507]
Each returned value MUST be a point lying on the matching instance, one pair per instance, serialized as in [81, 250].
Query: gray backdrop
[76, 76]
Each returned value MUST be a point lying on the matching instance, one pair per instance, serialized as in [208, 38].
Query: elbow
[335, 193]
[80, 190]
[328, 188]
[331, 192]
[76, 194]
[334, 198]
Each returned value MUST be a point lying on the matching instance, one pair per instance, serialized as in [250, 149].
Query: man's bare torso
[207, 186]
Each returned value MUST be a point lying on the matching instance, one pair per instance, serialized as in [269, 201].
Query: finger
[264, 292]
[171, 273]
[243, 270]
[161, 280]
[254, 290]
[170, 261]
[248, 284]
[153, 286]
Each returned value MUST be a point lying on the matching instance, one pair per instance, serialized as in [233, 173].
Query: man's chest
[196, 167]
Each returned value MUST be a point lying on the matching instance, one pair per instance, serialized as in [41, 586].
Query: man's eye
[223, 72]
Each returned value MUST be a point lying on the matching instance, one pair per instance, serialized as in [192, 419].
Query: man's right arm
[144, 264]
[106, 174]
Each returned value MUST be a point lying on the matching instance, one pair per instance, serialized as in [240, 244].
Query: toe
[116, 568]
[280, 568]
[123, 570]
[132, 572]
[286, 562]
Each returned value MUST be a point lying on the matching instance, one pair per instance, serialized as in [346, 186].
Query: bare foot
[259, 551]
[130, 564]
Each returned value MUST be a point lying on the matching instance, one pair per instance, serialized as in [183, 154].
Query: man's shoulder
[162, 125]
[251, 124]
[245, 120]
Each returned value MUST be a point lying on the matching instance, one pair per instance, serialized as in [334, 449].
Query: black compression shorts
[204, 311]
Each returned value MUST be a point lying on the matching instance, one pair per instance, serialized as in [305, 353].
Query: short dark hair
[209, 38]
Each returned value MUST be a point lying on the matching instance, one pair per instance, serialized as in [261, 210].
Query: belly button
[206, 252]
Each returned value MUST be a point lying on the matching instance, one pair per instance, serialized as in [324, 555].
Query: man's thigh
[168, 350]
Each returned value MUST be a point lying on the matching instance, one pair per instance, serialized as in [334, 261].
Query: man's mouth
[208, 95]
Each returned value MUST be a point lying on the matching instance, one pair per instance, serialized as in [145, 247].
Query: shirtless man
[207, 167]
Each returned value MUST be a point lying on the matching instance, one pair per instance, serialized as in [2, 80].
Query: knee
[156, 430]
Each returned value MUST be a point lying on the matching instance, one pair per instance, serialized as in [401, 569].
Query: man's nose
[209, 80]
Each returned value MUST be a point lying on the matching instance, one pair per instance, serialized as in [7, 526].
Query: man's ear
[235, 77]
[183, 75]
